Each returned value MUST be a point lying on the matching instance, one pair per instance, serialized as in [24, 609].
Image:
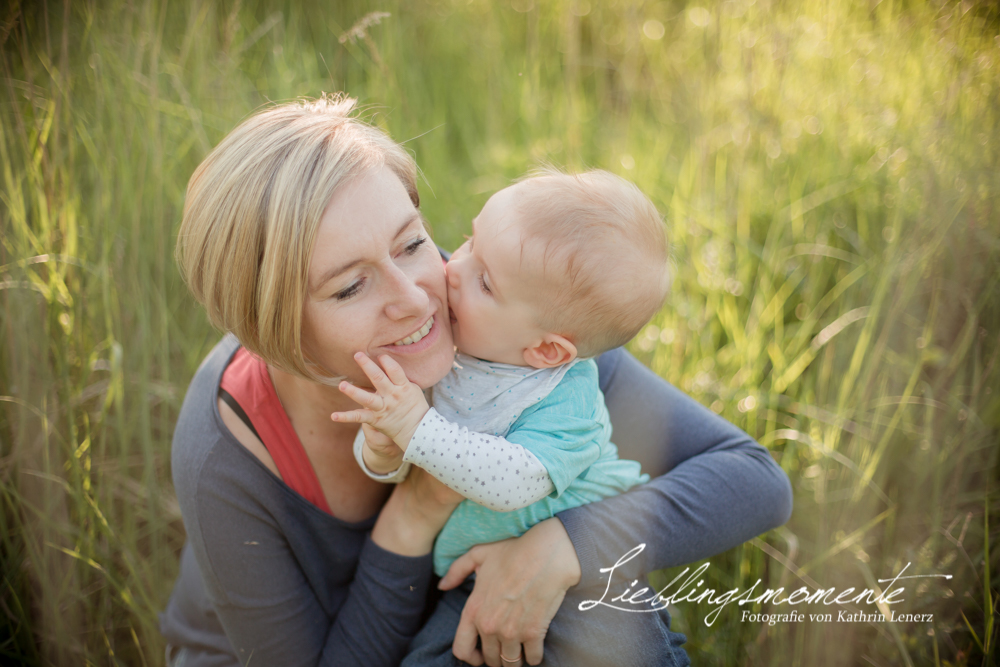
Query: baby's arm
[496, 473]
[398, 409]
[389, 468]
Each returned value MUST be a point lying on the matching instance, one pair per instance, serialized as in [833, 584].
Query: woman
[302, 237]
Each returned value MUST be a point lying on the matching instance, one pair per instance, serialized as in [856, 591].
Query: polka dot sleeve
[492, 471]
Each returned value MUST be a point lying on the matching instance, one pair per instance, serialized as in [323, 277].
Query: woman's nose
[406, 298]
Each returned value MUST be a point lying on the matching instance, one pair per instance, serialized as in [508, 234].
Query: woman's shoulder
[215, 362]
[199, 429]
[198, 415]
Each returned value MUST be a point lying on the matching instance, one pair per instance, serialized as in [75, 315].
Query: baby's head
[558, 266]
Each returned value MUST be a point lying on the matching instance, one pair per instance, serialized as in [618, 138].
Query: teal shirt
[569, 431]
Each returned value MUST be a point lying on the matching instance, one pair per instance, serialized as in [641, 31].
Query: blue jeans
[598, 637]
[176, 656]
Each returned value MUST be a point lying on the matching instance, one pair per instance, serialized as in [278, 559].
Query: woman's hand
[414, 514]
[520, 584]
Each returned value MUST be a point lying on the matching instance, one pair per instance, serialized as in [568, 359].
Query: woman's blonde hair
[252, 212]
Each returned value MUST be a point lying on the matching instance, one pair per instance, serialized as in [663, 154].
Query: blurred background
[829, 173]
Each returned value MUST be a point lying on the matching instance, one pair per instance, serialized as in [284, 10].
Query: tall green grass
[829, 173]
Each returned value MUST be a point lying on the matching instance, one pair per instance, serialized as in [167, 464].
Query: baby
[559, 269]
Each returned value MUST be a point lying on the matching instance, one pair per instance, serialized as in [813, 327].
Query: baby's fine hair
[605, 250]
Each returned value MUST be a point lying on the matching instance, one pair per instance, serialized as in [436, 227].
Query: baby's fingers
[360, 396]
[372, 370]
[354, 416]
[394, 370]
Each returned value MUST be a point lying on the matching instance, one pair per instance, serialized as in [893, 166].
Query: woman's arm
[720, 488]
[261, 580]
[717, 488]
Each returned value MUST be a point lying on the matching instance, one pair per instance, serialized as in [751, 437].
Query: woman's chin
[428, 370]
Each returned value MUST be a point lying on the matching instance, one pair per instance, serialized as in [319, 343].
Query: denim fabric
[598, 637]
[176, 656]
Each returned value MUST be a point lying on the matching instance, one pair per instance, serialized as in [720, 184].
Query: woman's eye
[413, 247]
[483, 285]
[349, 291]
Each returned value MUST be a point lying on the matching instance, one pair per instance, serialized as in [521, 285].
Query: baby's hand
[380, 453]
[395, 408]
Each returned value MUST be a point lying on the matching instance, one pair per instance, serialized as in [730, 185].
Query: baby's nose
[451, 275]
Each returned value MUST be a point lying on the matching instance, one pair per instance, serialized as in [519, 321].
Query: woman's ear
[553, 350]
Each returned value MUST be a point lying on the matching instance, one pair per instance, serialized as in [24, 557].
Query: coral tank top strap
[247, 380]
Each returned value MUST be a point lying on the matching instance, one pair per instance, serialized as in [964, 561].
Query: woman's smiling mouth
[416, 335]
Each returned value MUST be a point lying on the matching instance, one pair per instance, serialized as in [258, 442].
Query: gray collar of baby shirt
[488, 397]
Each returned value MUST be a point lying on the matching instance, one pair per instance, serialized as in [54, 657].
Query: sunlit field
[829, 173]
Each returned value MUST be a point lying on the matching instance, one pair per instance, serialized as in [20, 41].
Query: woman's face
[376, 285]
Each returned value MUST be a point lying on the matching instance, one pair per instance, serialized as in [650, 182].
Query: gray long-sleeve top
[267, 578]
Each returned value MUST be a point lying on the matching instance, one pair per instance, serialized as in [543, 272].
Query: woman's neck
[309, 404]
[350, 494]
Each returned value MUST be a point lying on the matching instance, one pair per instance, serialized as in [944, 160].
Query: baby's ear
[553, 350]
